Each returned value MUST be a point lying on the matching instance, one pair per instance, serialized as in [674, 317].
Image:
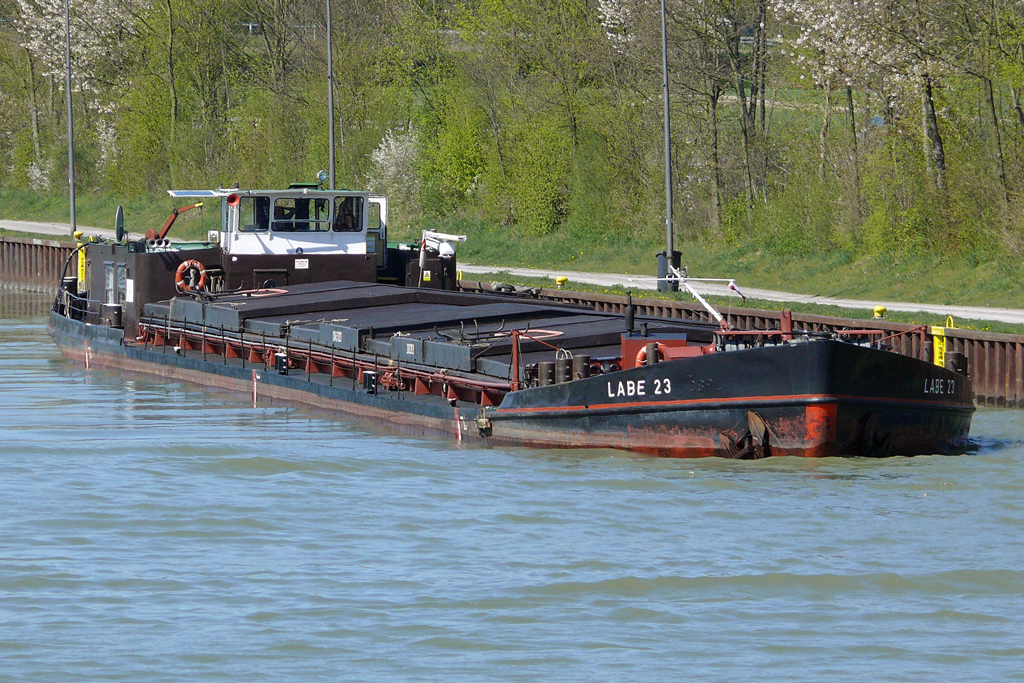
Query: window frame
[254, 200]
[359, 209]
[312, 225]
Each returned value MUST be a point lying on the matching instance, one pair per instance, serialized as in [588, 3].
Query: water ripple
[154, 531]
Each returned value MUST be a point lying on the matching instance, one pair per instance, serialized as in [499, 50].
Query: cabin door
[377, 230]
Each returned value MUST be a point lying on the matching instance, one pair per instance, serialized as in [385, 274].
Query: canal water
[154, 531]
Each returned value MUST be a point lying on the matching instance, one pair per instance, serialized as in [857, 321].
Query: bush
[452, 158]
[800, 219]
[899, 234]
[537, 186]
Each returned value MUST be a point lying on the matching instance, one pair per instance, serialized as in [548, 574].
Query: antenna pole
[330, 95]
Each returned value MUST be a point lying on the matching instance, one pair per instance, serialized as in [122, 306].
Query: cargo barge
[299, 297]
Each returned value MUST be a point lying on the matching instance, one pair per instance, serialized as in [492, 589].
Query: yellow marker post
[939, 342]
[939, 345]
[81, 261]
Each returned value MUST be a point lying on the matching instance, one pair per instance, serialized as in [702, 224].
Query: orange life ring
[193, 282]
[641, 355]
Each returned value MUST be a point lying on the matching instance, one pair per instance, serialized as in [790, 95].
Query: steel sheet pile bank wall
[996, 361]
[33, 263]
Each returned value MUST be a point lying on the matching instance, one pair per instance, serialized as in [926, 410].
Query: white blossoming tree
[395, 173]
[895, 45]
[98, 29]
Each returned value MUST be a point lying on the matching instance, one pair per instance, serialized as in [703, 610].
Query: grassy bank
[924, 279]
[97, 210]
[34, 235]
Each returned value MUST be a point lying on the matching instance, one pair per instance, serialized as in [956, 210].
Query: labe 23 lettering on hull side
[940, 386]
[640, 387]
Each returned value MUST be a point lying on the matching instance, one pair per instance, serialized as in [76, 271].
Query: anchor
[753, 444]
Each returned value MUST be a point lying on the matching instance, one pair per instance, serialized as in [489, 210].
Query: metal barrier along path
[995, 362]
[33, 263]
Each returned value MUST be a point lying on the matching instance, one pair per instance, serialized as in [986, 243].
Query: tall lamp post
[330, 94]
[670, 255]
[71, 118]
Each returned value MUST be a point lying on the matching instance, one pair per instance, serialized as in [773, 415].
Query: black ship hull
[816, 398]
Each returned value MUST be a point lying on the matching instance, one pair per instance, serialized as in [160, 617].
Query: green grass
[97, 210]
[726, 305]
[922, 279]
[35, 235]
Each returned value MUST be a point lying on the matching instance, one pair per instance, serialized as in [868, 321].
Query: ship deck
[462, 332]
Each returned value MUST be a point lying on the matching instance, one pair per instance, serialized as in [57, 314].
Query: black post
[665, 285]
[630, 312]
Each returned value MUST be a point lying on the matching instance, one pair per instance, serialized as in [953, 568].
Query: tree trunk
[224, 73]
[762, 46]
[1016, 108]
[280, 46]
[854, 156]
[826, 118]
[934, 151]
[748, 175]
[341, 155]
[273, 29]
[716, 167]
[997, 149]
[990, 106]
[33, 104]
[746, 125]
[173, 91]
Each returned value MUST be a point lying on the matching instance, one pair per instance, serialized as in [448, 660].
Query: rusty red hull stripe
[699, 402]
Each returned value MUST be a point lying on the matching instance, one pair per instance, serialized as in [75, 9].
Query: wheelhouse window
[115, 278]
[373, 220]
[301, 214]
[253, 214]
[348, 214]
[110, 280]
